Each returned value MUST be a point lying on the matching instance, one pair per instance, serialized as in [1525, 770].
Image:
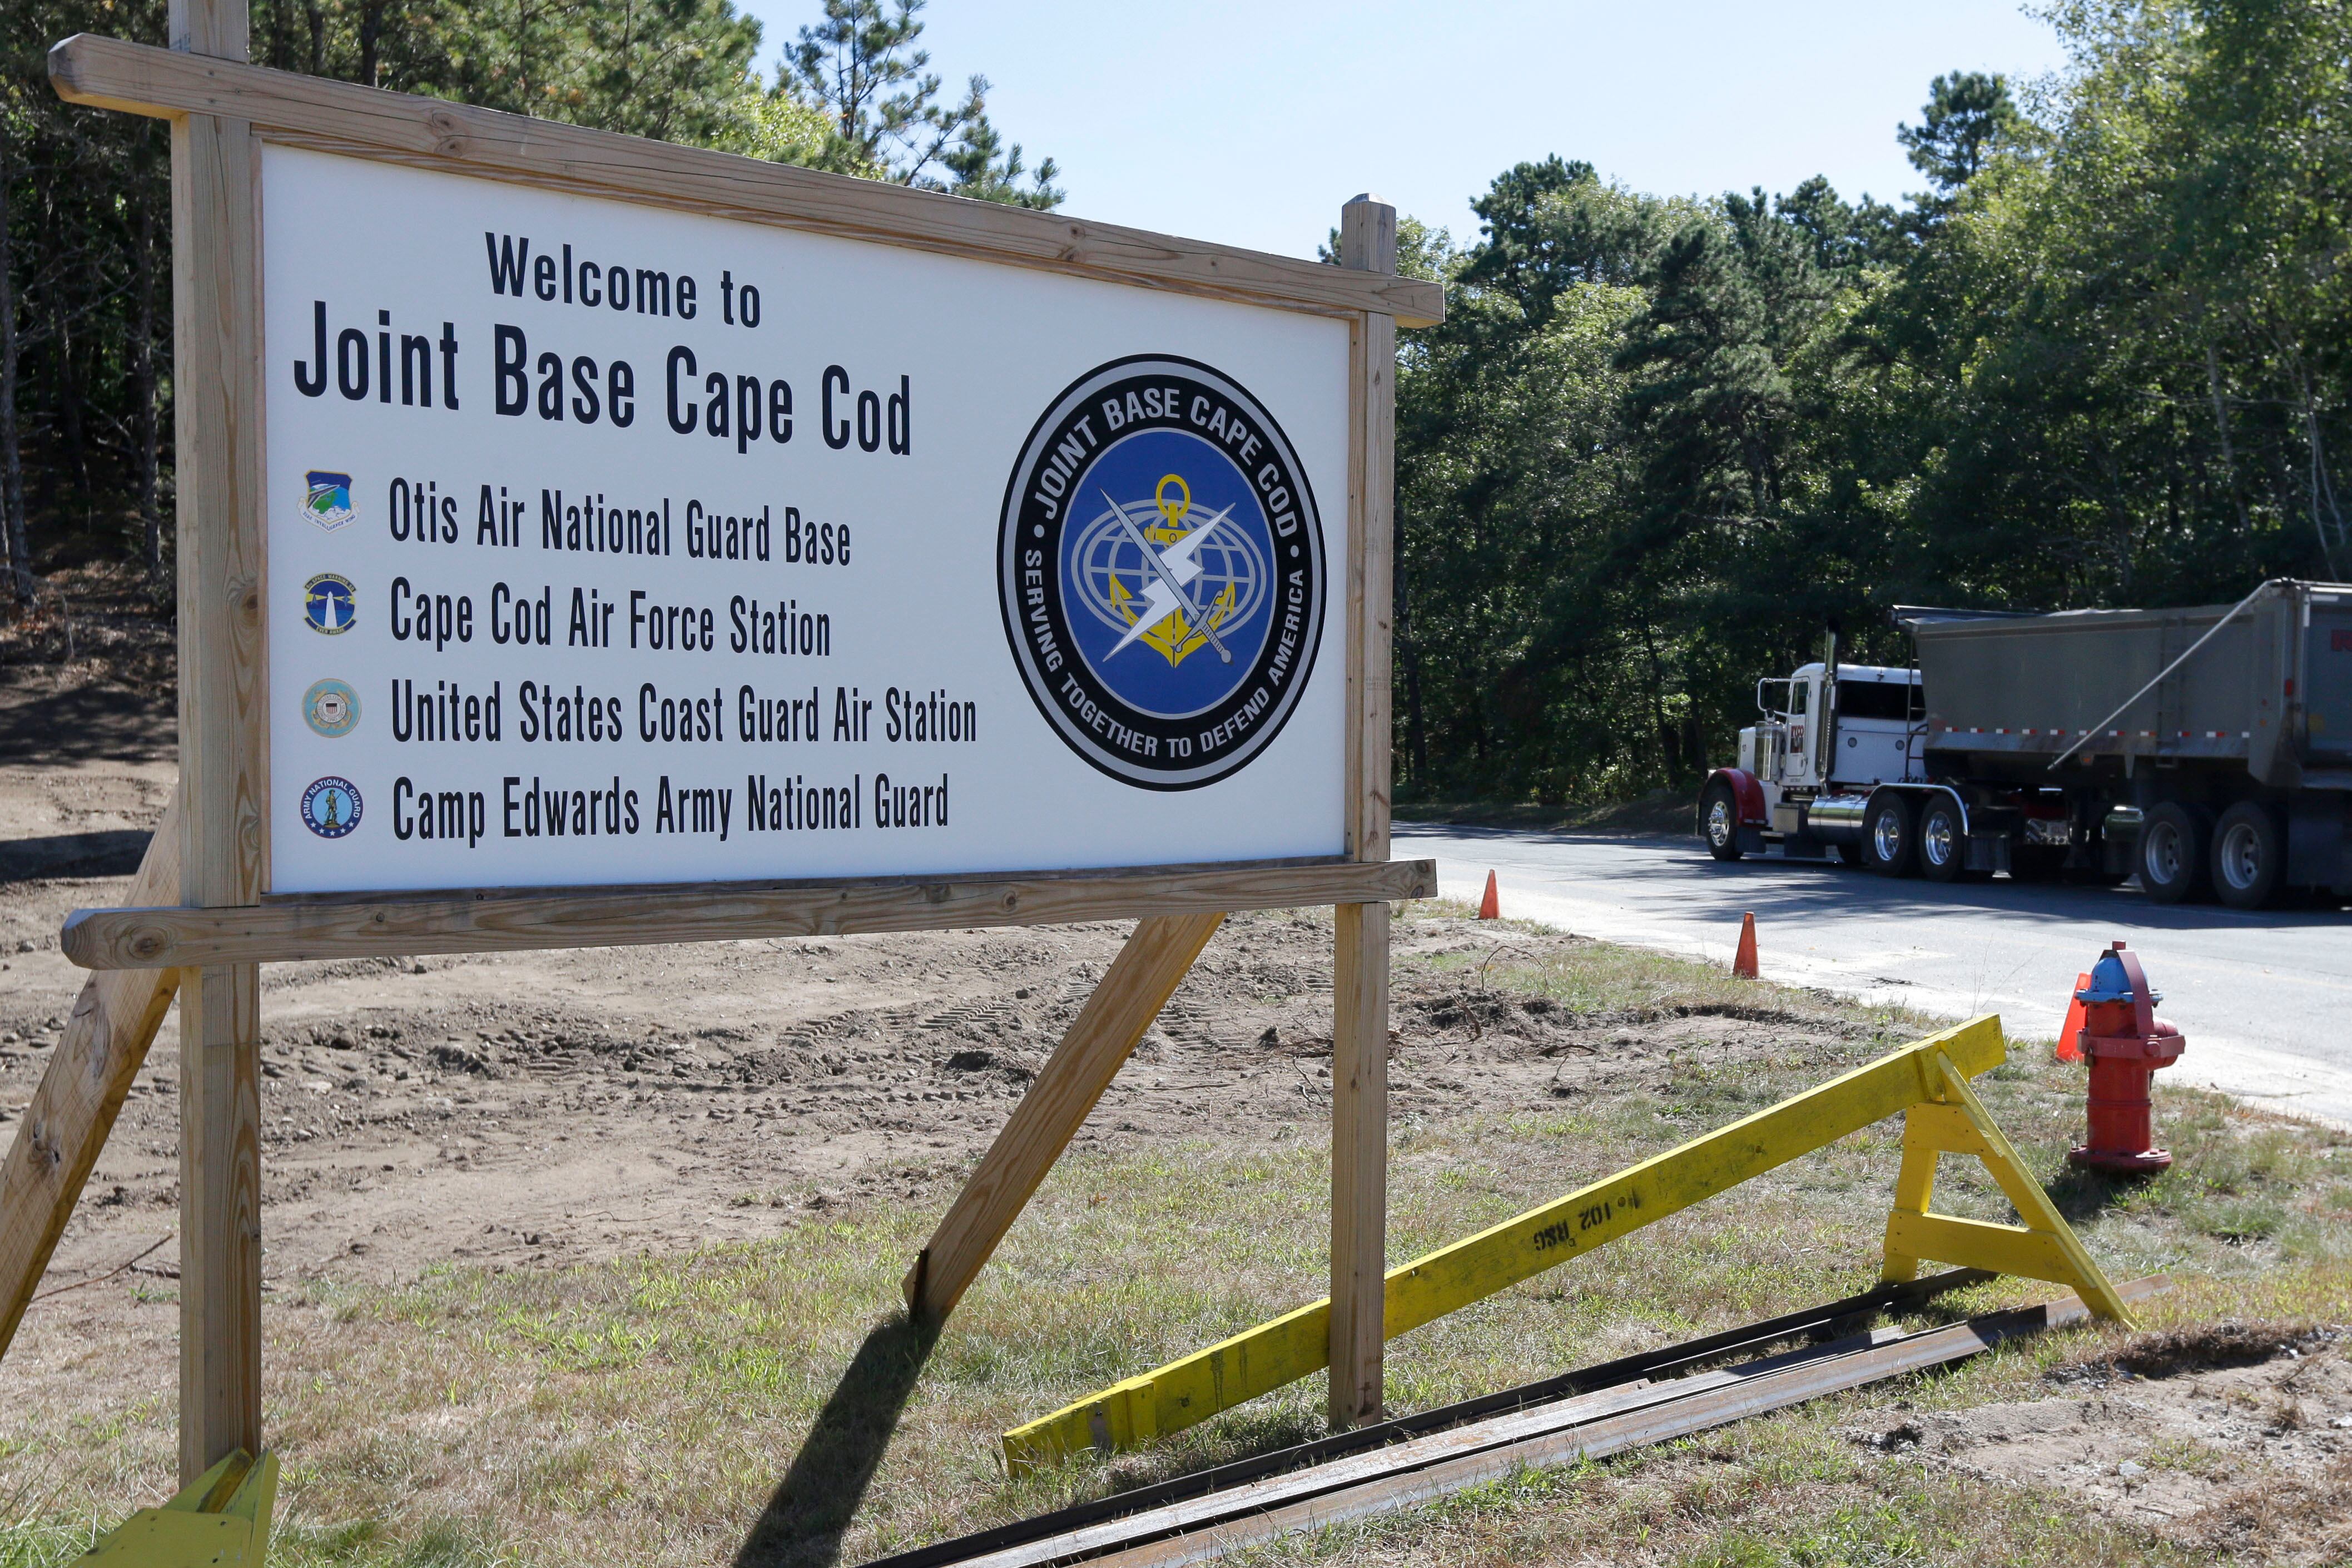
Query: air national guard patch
[327, 499]
[1160, 567]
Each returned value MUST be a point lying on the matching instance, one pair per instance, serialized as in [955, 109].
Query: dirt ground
[2209, 1438]
[539, 1109]
[559, 1107]
[564, 1106]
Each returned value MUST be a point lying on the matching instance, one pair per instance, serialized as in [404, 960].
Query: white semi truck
[2207, 751]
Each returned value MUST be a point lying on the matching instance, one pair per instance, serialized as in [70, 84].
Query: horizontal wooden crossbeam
[1978, 1244]
[456, 138]
[504, 921]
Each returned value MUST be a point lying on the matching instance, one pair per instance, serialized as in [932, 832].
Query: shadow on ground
[1677, 866]
[115, 853]
[2084, 1195]
[810, 1510]
[90, 722]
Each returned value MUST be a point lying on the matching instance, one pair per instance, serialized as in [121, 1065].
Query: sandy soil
[566, 1105]
[563, 1106]
[2213, 1439]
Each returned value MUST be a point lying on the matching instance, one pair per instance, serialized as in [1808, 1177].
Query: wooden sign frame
[223, 924]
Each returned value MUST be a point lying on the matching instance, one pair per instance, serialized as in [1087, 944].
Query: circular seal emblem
[331, 708]
[1159, 562]
[331, 807]
[329, 603]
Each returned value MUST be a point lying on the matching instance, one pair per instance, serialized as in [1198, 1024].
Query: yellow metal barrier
[1927, 1079]
[220, 1521]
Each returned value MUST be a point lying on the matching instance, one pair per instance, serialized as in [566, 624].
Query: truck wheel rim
[2164, 852]
[2241, 857]
[1887, 836]
[1935, 840]
[1719, 822]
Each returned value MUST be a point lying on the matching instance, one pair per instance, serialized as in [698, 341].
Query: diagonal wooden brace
[1139, 983]
[114, 1021]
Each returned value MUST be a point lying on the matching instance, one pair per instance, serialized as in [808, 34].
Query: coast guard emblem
[1160, 568]
[331, 708]
[327, 499]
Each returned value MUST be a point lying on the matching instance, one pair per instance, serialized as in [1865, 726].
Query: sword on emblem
[1167, 592]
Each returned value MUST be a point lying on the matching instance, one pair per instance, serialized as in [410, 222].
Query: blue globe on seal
[1162, 572]
[1172, 573]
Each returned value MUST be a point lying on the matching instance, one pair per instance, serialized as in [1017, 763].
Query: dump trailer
[2207, 751]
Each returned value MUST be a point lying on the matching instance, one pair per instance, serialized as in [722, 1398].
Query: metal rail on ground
[1168, 1532]
[1927, 1082]
[1829, 1321]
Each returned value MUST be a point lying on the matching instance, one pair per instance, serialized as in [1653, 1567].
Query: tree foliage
[85, 194]
[1657, 448]
[883, 115]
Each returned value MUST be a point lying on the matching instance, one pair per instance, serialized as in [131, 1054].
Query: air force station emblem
[1160, 567]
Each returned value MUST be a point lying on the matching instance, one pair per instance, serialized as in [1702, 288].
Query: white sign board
[612, 544]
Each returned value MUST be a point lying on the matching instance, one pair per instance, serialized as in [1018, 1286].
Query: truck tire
[2173, 859]
[1718, 820]
[2249, 856]
[1943, 843]
[1889, 843]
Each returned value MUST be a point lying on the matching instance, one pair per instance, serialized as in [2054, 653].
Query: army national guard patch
[331, 807]
[1161, 566]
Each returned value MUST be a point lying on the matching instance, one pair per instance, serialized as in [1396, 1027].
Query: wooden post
[215, 276]
[114, 1020]
[1360, 1031]
[1140, 980]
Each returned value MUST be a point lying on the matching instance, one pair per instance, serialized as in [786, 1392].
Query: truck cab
[1806, 770]
[1863, 728]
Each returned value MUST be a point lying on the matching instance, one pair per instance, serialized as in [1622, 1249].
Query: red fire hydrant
[2126, 1043]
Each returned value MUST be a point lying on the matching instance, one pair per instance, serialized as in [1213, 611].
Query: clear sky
[1250, 122]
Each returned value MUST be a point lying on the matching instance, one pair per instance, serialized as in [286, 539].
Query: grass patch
[662, 1409]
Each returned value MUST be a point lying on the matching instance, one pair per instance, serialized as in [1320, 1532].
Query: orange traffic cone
[1743, 962]
[1490, 908]
[2070, 1047]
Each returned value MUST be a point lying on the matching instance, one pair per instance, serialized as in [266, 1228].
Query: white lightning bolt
[1160, 600]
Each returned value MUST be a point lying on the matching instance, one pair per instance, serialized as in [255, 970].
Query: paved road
[2266, 999]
